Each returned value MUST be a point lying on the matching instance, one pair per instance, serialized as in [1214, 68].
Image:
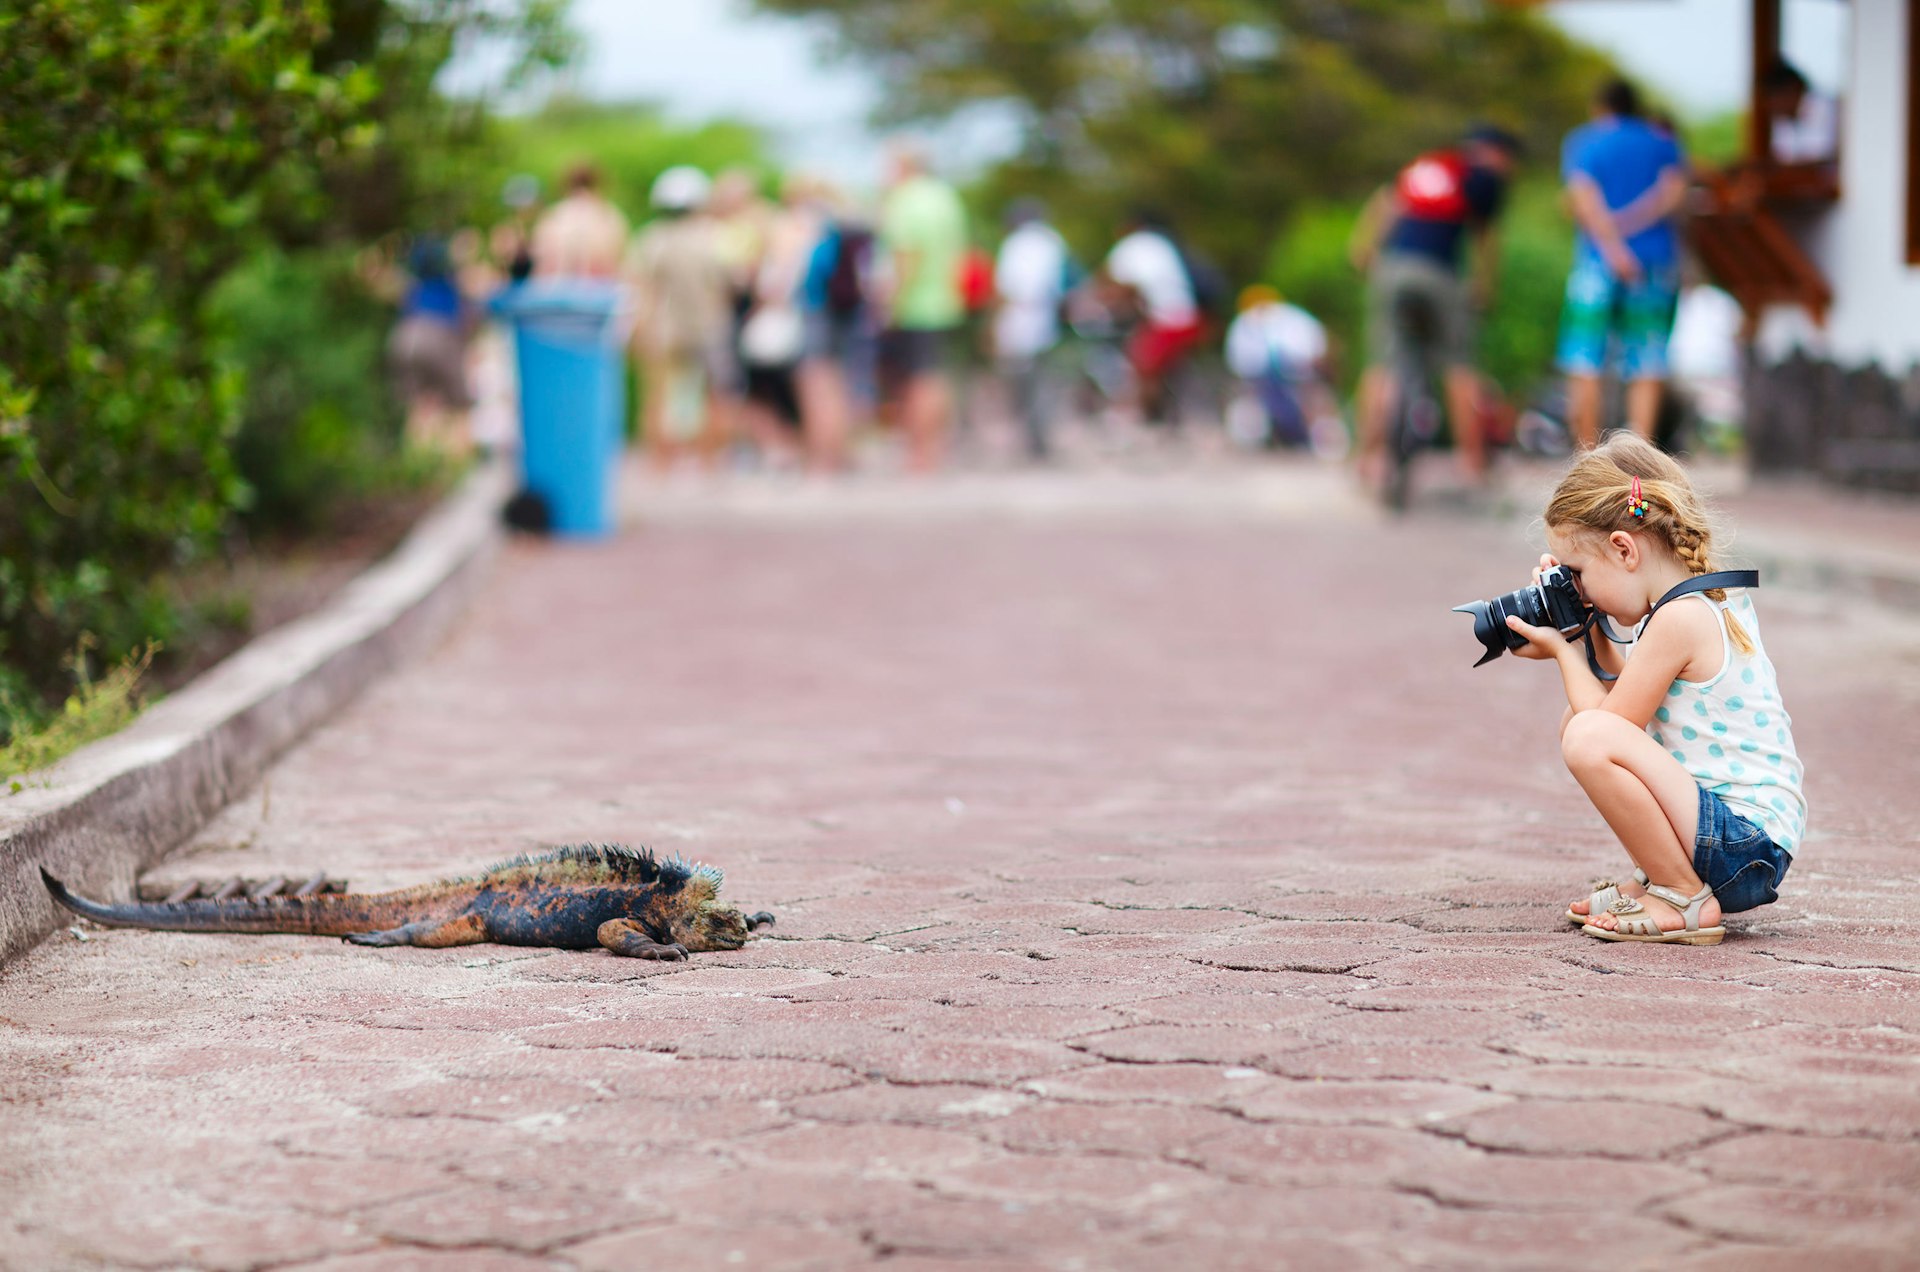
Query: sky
[702, 59]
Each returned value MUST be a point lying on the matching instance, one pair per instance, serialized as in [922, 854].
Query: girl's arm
[1664, 651]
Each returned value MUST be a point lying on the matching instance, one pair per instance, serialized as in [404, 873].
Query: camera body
[1553, 600]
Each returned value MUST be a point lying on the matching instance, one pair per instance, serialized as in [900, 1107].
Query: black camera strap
[1698, 583]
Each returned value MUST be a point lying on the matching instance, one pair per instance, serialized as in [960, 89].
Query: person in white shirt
[1029, 282]
[1804, 126]
[1147, 266]
[1280, 351]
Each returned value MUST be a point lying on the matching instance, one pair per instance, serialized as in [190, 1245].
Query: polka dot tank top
[1733, 734]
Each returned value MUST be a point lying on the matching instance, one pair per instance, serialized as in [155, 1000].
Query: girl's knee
[1587, 740]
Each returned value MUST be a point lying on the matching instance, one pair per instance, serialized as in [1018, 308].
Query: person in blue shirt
[427, 349]
[1625, 182]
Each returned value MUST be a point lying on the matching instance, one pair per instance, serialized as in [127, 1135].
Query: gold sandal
[1638, 924]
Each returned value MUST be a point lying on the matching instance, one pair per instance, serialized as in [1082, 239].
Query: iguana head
[715, 925]
[710, 923]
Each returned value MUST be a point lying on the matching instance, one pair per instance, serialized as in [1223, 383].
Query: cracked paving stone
[1405, 1103]
[1811, 1162]
[691, 1244]
[1272, 1219]
[110, 1225]
[520, 1219]
[1836, 1252]
[1599, 1128]
[1122, 1185]
[1503, 1238]
[1115, 932]
[398, 1259]
[1319, 1156]
[1148, 1131]
[1043, 1232]
[1202, 1044]
[1792, 1216]
[1386, 1058]
[1235, 1254]
[1850, 1110]
[873, 1150]
[1590, 1185]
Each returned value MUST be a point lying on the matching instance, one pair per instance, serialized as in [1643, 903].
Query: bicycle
[1415, 420]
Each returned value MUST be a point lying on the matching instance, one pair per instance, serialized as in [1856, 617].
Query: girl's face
[1607, 567]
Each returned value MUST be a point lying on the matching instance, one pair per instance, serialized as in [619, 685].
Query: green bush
[319, 426]
[141, 141]
[95, 709]
[1309, 264]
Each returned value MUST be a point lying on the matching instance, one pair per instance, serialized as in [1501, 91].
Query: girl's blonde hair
[1596, 495]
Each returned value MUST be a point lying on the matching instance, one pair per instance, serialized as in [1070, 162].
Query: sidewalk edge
[1828, 573]
[111, 809]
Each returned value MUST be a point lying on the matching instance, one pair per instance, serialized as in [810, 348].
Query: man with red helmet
[1412, 241]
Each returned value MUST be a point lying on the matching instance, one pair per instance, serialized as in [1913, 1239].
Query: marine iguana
[571, 898]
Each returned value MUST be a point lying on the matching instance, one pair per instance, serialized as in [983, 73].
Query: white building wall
[1861, 243]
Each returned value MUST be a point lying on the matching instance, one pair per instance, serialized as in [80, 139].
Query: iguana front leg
[625, 936]
[759, 919]
[468, 929]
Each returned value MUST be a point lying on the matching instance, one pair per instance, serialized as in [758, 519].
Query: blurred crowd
[806, 330]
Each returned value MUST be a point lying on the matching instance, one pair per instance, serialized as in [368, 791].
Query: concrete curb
[1881, 577]
[108, 811]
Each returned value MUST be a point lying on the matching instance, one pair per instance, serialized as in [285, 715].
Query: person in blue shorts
[1625, 180]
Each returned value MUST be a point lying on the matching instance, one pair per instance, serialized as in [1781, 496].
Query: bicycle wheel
[1403, 440]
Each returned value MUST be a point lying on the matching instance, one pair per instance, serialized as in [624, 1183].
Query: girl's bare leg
[1651, 803]
[1630, 888]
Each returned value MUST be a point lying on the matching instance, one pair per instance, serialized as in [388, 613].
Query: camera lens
[1489, 627]
[1490, 620]
[1530, 604]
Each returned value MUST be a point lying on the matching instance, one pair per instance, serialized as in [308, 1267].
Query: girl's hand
[1543, 643]
[1547, 562]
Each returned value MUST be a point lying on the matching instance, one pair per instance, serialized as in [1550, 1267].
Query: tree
[1225, 114]
[429, 150]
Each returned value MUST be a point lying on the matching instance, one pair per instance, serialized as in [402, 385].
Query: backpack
[976, 280]
[847, 280]
[1434, 187]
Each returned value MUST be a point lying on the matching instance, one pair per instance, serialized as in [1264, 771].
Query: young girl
[1689, 754]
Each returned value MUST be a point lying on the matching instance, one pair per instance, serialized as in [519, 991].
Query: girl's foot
[1605, 892]
[1662, 912]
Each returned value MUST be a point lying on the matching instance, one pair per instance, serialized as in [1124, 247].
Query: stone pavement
[1156, 882]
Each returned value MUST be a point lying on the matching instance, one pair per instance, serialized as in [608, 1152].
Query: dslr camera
[1553, 600]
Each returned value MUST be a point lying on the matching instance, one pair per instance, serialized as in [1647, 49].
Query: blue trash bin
[569, 338]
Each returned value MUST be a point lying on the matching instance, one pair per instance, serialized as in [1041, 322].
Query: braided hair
[1596, 495]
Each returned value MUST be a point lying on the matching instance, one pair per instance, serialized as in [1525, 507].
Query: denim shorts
[1735, 858]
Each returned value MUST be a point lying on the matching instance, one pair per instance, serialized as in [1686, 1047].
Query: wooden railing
[1746, 249]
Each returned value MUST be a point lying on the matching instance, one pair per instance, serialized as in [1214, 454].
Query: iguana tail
[324, 914]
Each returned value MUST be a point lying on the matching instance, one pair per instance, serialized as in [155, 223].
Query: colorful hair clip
[1636, 503]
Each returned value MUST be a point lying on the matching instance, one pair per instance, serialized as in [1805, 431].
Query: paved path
[1156, 883]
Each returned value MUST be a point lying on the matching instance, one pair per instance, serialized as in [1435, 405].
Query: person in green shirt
[923, 237]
